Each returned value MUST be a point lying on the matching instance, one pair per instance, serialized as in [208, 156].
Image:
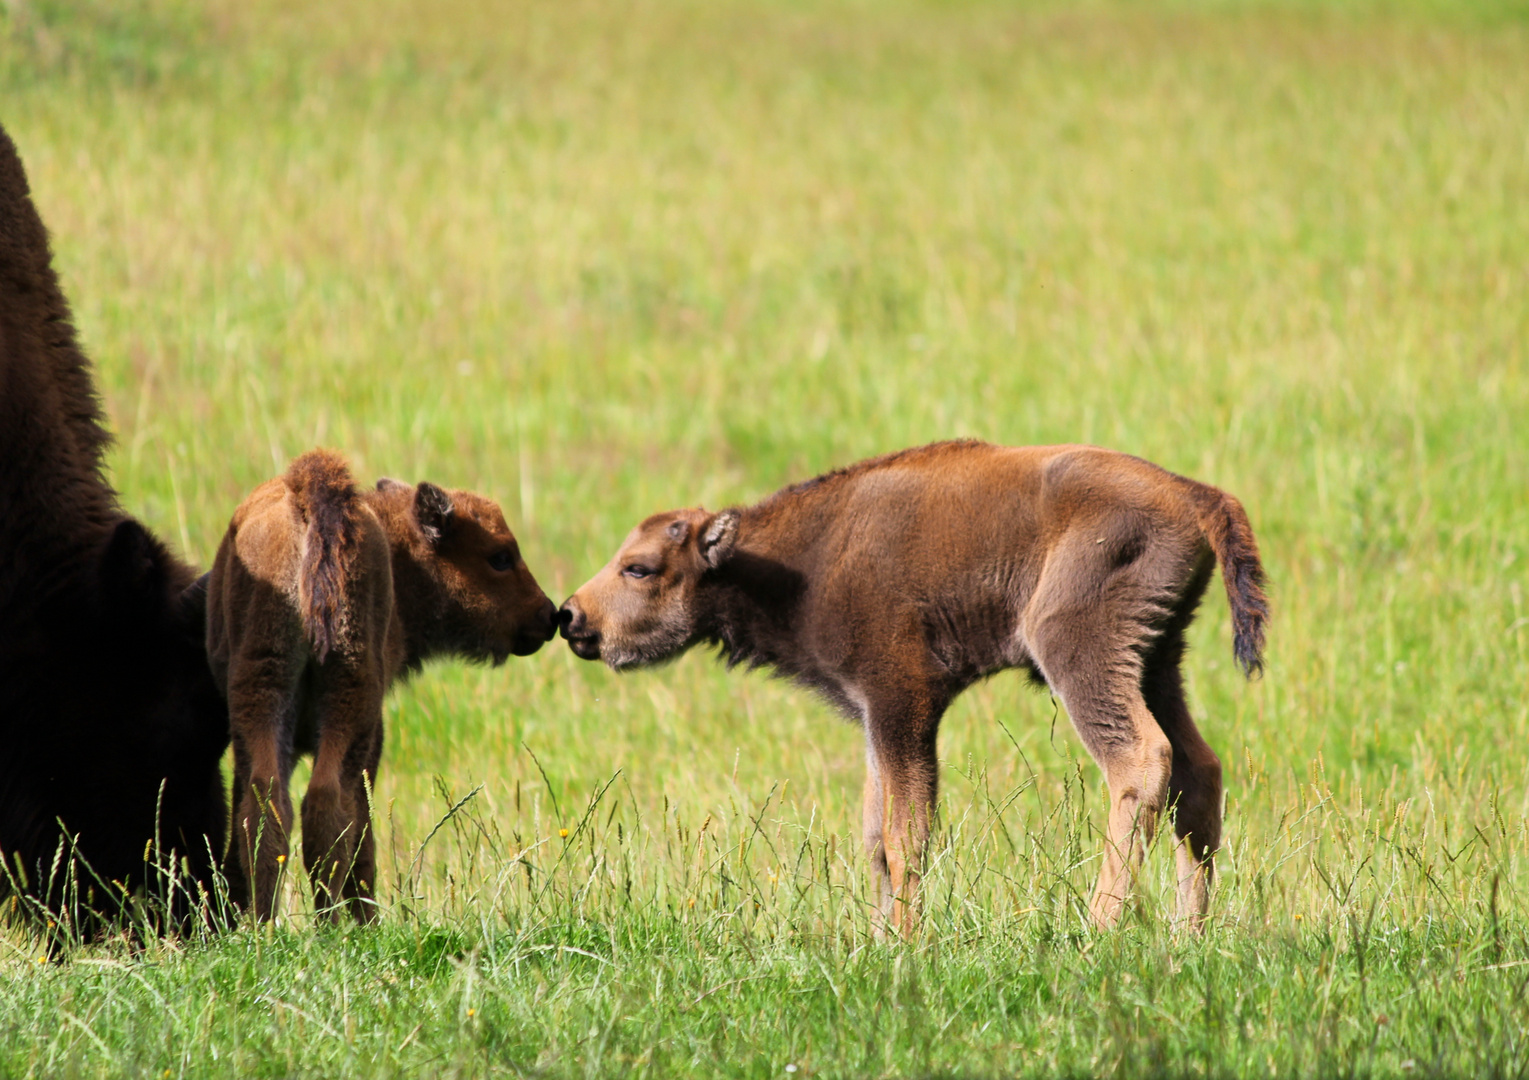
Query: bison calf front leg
[900, 790]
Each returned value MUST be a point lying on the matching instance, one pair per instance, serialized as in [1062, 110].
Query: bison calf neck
[320, 597]
[894, 584]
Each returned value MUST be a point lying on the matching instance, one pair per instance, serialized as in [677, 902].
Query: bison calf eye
[502, 560]
[638, 571]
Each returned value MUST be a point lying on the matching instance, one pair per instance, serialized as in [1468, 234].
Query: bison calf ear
[433, 512]
[719, 538]
[387, 483]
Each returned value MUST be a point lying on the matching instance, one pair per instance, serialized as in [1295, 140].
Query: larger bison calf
[894, 584]
[322, 594]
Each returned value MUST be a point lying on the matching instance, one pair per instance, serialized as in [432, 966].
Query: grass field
[599, 259]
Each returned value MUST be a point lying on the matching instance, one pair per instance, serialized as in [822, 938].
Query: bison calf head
[466, 572]
[641, 608]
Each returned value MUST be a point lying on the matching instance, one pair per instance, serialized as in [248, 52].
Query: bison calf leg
[265, 816]
[261, 686]
[337, 843]
[262, 819]
[362, 880]
[330, 827]
[873, 821]
[900, 790]
[1196, 793]
[1138, 776]
[1089, 654]
[1120, 732]
[262, 809]
[1195, 788]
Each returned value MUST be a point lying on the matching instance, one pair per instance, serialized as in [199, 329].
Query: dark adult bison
[111, 728]
[894, 584]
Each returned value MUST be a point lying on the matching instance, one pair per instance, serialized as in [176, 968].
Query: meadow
[598, 259]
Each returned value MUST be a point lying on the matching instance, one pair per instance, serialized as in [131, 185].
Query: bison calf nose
[550, 618]
[581, 638]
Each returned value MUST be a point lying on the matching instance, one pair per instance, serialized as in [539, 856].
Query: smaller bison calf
[320, 597]
[893, 585]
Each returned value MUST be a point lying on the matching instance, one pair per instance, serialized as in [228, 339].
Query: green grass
[601, 259]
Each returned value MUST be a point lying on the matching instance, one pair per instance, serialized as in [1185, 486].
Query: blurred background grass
[598, 259]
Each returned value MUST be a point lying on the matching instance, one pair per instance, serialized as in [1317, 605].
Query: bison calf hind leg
[263, 810]
[1093, 671]
[262, 821]
[337, 841]
[362, 880]
[330, 826]
[1138, 776]
[1195, 786]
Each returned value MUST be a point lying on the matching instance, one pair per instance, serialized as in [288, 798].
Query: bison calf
[894, 584]
[320, 597]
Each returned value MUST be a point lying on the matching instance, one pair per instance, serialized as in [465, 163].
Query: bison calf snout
[542, 629]
[584, 641]
[551, 617]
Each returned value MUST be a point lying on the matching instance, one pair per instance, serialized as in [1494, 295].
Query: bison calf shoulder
[321, 596]
[894, 584]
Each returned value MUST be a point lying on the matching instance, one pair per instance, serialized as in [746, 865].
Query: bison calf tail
[326, 496]
[1230, 535]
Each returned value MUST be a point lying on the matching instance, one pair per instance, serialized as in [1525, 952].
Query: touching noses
[571, 618]
[548, 619]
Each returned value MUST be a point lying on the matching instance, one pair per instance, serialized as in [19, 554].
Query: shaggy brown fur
[109, 719]
[893, 585]
[320, 597]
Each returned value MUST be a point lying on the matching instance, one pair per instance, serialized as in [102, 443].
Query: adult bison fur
[321, 595]
[111, 728]
[894, 584]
